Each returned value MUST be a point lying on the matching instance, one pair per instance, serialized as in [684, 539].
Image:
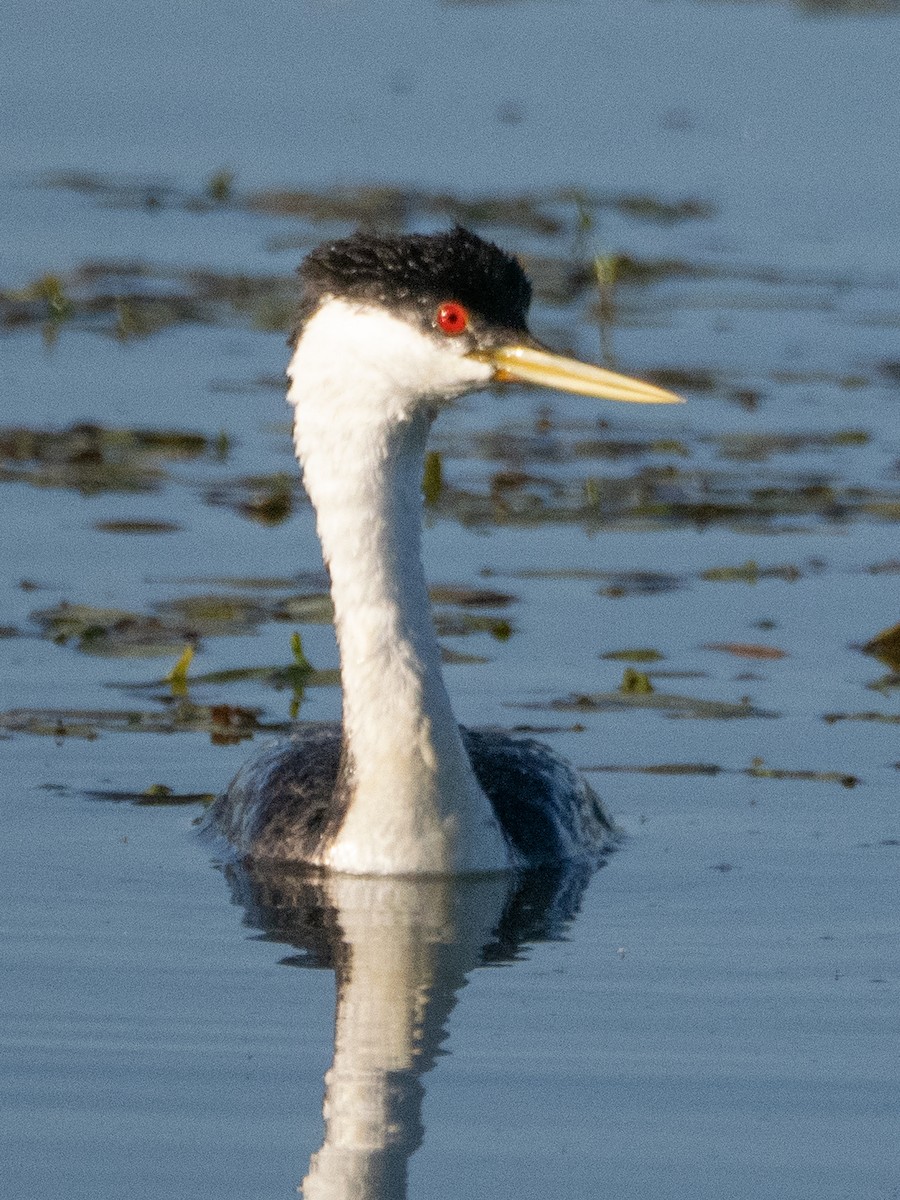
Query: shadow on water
[402, 950]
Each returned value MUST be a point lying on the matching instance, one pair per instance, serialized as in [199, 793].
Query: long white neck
[360, 432]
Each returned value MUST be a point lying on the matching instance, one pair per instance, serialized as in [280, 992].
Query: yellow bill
[532, 365]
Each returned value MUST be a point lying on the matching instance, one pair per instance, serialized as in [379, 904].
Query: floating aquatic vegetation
[886, 647]
[137, 299]
[757, 770]
[111, 631]
[624, 584]
[672, 705]
[119, 191]
[546, 471]
[296, 675]
[134, 299]
[460, 620]
[637, 655]
[686, 379]
[825, 8]
[114, 632]
[267, 499]
[48, 293]
[645, 207]
[137, 526]
[274, 502]
[460, 624]
[617, 583]
[747, 650]
[382, 206]
[619, 268]
[658, 497]
[93, 459]
[307, 609]
[456, 658]
[309, 581]
[886, 684]
[636, 683]
[226, 724]
[212, 614]
[157, 795]
[220, 186]
[469, 597]
[279, 676]
[878, 718]
[751, 572]
[688, 768]
[638, 583]
[616, 449]
[759, 447]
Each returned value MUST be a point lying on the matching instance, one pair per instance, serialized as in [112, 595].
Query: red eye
[452, 318]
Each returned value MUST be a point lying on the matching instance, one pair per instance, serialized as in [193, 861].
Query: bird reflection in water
[401, 948]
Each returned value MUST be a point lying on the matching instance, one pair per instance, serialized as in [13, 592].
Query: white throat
[360, 386]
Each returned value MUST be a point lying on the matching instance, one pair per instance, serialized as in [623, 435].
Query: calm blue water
[720, 1017]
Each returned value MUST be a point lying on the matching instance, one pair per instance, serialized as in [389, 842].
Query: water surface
[714, 1014]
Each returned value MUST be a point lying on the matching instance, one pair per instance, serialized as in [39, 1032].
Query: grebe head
[405, 323]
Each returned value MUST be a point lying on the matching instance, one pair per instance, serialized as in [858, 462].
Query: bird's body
[390, 331]
[289, 802]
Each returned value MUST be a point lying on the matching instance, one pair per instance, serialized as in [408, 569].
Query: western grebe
[390, 331]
